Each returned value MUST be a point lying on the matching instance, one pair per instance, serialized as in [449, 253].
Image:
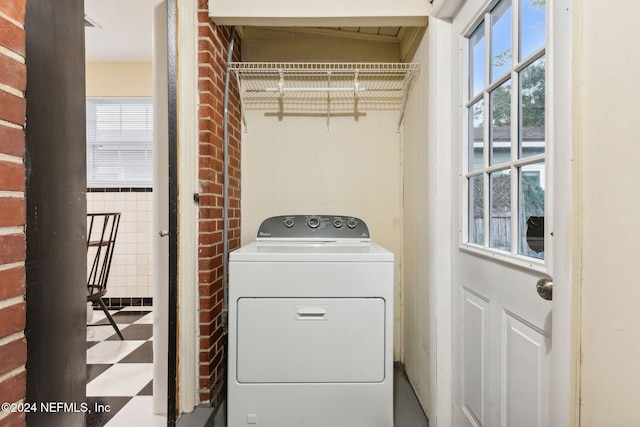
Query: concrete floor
[407, 409]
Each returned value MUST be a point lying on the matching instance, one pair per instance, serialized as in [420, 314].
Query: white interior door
[501, 325]
[160, 211]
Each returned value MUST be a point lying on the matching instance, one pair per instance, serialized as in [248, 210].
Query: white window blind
[119, 142]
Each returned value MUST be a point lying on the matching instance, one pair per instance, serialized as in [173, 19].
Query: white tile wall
[130, 274]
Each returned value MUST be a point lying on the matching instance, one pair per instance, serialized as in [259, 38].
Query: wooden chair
[101, 241]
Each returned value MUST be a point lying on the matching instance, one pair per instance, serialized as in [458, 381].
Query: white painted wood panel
[475, 335]
[328, 13]
[525, 366]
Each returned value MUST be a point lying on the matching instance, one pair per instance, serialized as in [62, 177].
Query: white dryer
[311, 326]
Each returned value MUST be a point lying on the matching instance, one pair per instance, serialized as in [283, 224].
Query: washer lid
[310, 252]
[313, 228]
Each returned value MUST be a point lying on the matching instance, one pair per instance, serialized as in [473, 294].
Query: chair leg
[113, 323]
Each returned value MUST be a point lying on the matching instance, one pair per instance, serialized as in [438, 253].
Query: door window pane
[532, 109]
[476, 210]
[476, 61]
[531, 219]
[500, 221]
[501, 39]
[476, 136]
[533, 30]
[500, 102]
[505, 137]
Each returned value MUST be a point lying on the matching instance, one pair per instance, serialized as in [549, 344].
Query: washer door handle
[310, 312]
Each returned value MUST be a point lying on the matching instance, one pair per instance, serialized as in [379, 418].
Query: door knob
[163, 233]
[545, 288]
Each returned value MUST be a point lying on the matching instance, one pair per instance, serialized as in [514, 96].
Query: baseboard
[118, 303]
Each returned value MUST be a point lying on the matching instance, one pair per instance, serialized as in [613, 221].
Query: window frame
[467, 103]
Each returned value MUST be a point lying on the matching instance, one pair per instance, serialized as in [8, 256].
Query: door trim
[172, 388]
[187, 181]
[564, 387]
[440, 214]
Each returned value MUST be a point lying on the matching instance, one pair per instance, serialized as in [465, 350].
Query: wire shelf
[331, 88]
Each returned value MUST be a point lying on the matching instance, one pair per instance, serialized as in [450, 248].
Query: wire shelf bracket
[333, 88]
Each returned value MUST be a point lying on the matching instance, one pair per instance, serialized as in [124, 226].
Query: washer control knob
[351, 223]
[337, 222]
[313, 222]
[288, 222]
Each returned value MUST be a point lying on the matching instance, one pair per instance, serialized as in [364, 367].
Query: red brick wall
[213, 43]
[13, 81]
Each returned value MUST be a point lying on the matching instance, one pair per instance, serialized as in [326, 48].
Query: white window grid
[515, 162]
[120, 142]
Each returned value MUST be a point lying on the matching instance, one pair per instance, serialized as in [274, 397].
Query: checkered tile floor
[120, 373]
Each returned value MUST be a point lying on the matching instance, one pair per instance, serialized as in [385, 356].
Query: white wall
[607, 126]
[130, 274]
[416, 248]
[295, 166]
[119, 79]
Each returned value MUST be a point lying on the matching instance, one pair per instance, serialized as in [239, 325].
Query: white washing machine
[311, 326]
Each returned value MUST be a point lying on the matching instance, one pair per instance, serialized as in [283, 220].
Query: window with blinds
[119, 142]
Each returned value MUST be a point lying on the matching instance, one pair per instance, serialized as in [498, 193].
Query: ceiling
[123, 31]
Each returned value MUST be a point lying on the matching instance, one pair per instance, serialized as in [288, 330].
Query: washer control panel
[313, 227]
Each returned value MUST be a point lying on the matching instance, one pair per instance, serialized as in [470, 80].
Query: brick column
[13, 80]
[213, 42]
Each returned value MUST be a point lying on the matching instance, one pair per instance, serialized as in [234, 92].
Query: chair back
[102, 229]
